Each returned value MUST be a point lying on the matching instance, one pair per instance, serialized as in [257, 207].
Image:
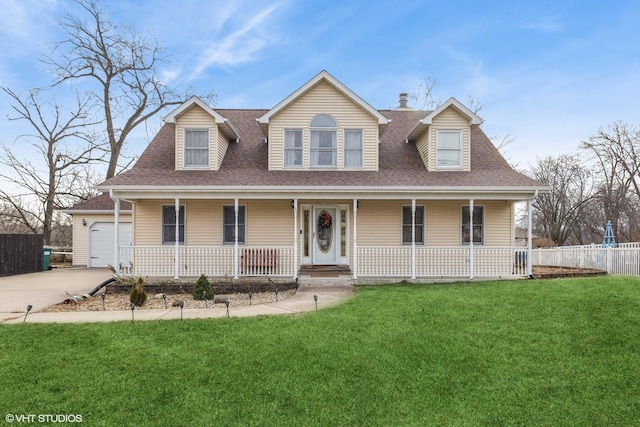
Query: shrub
[202, 289]
[137, 294]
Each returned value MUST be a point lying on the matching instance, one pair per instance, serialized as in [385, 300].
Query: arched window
[324, 141]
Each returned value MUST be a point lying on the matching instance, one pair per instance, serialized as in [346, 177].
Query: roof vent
[403, 103]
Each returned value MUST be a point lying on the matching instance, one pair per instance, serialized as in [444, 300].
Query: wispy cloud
[238, 47]
[545, 24]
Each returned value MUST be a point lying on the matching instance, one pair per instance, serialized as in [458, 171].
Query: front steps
[325, 275]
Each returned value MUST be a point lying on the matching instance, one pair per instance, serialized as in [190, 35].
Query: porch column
[529, 252]
[176, 247]
[413, 239]
[295, 239]
[116, 230]
[235, 242]
[471, 260]
[355, 239]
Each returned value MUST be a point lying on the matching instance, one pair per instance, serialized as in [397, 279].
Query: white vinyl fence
[622, 260]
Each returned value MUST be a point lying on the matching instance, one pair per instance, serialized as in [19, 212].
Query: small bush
[137, 294]
[202, 289]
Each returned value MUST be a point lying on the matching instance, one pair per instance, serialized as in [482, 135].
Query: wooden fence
[20, 253]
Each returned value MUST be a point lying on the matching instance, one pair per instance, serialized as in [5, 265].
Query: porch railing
[207, 260]
[442, 261]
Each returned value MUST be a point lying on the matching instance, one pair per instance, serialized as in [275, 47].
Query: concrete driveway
[46, 288]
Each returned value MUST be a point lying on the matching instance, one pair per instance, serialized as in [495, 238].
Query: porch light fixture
[293, 204]
[315, 298]
[250, 296]
[103, 295]
[84, 222]
[133, 307]
[226, 302]
[29, 307]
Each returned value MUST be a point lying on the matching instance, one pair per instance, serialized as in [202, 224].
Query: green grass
[557, 352]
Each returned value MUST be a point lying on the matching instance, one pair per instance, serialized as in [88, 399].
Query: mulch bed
[554, 272]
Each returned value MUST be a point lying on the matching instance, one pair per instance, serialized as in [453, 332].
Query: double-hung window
[353, 148]
[324, 142]
[407, 225]
[229, 225]
[293, 147]
[478, 225]
[449, 149]
[196, 148]
[169, 224]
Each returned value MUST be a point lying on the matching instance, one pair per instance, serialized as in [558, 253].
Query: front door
[325, 235]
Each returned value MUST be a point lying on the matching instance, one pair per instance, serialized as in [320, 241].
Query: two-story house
[322, 181]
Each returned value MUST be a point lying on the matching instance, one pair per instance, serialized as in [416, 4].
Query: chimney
[404, 102]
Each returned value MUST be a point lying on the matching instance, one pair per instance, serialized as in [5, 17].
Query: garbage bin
[46, 255]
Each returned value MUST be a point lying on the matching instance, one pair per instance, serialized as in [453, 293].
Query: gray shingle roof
[245, 163]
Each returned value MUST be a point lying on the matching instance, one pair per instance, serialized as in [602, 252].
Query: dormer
[443, 137]
[202, 136]
[323, 126]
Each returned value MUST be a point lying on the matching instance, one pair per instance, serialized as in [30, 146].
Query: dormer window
[324, 141]
[196, 148]
[449, 149]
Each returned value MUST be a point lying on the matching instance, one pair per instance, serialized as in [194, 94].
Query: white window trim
[184, 148]
[484, 224]
[284, 148]
[344, 148]
[172, 242]
[460, 150]
[334, 150]
[424, 225]
[246, 217]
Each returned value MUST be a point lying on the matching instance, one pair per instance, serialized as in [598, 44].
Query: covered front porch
[391, 237]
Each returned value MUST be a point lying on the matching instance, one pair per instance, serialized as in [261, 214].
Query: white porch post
[176, 247]
[235, 242]
[295, 238]
[471, 260]
[529, 252]
[413, 239]
[116, 228]
[355, 239]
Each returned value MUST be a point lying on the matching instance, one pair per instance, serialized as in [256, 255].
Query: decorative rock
[219, 299]
[158, 296]
[175, 304]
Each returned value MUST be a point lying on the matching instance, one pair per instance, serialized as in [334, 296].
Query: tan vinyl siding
[323, 98]
[81, 234]
[269, 223]
[450, 119]
[148, 222]
[380, 222]
[423, 148]
[196, 118]
[223, 145]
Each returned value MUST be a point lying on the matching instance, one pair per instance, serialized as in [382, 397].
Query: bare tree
[124, 66]
[559, 213]
[55, 173]
[423, 95]
[616, 153]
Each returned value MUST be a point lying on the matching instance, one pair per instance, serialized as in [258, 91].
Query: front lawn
[556, 352]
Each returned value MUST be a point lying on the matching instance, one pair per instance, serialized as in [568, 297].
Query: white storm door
[325, 235]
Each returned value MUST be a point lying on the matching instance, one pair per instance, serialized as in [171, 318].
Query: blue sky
[550, 73]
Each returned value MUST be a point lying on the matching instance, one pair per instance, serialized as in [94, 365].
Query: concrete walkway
[47, 288]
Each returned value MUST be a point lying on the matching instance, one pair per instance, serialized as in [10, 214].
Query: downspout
[295, 239]
[355, 239]
[116, 238]
[176, 247]
[413, 239]
[529, 234]
[235, 243]
[471, 257]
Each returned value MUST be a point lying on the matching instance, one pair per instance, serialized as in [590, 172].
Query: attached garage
[93, 230]
[102, 242]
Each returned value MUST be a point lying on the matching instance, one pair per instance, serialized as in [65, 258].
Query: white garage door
[101, 242]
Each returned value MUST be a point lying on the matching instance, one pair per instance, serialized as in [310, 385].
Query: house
[321, 181]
